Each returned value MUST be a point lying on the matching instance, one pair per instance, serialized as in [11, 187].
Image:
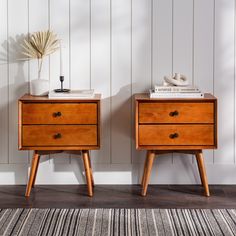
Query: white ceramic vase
[39, 87]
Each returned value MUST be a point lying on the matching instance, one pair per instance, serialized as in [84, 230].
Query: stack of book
[175, 92]
[72, 94]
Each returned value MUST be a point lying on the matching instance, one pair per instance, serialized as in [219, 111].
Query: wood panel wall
[119, 48]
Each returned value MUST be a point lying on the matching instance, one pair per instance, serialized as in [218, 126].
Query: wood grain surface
[186, 135]
[59, 113]
[59, 135]
[158, 112]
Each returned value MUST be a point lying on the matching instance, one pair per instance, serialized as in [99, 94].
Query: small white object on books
[177, 80]
[176, 95]
[73, 94]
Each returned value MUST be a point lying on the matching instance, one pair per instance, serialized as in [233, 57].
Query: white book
[176, 95]
[73, 94]
[174, 89]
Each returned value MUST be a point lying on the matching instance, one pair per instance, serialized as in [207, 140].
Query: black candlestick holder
[62, 90]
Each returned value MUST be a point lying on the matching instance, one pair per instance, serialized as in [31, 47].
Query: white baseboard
[178, 173]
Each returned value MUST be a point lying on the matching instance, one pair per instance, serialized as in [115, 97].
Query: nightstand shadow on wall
[14, 82]
[104, 156]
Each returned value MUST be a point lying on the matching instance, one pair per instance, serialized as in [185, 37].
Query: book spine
[176, 95]
[52, 97]
[176, 89]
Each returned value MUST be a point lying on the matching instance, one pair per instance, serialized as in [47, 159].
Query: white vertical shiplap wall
[141, 59]
[119, 48]
[203, 58]
[80, 40]
[162, 56]
[121, 79]
[101, 71]
[18, 75]
[59, 21]
[38, 19]
[183, 14]
[4, 83]
[224, 79]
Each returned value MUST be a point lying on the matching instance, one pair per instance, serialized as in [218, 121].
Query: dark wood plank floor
[118, 196]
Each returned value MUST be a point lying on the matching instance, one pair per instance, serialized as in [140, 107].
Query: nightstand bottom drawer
[176, 134]
[59, 135]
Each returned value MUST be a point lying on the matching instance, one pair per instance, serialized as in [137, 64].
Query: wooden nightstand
[54, 125]
[175, 125]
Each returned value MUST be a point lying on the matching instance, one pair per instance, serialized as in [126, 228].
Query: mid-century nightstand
[54, 125]
[175, 125]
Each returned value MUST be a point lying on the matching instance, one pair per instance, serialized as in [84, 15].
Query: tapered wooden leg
[36, 171]
[33, 171]
[199, 168]
[202, 172]
[144, 170]
[87, 172]
[150, 158]
[91, 171]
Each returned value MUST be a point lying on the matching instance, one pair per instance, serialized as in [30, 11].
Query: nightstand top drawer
[59, 113]
[178, 112]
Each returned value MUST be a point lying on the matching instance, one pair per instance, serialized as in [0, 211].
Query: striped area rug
[117, 222]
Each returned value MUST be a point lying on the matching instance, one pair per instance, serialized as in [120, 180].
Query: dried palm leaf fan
[40, 44]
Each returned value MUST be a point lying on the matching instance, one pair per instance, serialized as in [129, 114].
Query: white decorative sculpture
[176, 80]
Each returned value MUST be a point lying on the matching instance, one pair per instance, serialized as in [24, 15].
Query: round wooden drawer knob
[57, 114]
[57, 136]
[174, 113]
[174, 135]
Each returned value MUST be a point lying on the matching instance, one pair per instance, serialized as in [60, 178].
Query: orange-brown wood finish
[59, 113]
[176, 112]
[176, 135]
[175, 125]
[88, 172]
[202, 171]
[147, 171]
[33, 171]
[36, 171]
[91, 171]
[144, 169]
[59, 135]
[55, 125]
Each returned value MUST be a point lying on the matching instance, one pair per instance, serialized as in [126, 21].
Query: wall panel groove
[203, 66]
[141, 59]
[59, 23]
[100, 71]
[121, 81]
[183, 48]
[162, 49]
[224, 79]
